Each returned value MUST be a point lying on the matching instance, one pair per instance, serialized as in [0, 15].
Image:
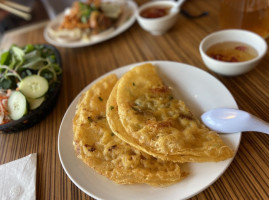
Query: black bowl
[35, 116]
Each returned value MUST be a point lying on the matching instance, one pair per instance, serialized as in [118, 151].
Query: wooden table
[246, 178]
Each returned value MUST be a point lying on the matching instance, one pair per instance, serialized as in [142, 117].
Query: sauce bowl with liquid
[155, 16]
[232, 52]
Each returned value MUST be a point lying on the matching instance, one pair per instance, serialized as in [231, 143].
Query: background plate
[201, 92]
[130, 7]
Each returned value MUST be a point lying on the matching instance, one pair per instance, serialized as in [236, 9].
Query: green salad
[26, 75]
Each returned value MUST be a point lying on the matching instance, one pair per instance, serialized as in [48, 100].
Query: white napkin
[18, 179]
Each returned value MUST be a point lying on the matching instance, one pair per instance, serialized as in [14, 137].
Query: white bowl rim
[234, 30]
[155, 3]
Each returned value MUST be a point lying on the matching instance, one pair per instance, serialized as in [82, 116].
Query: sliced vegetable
[28, 48]
[34, 86]
[4, 58]
[35, 103]
[19, 54]
[17, 105]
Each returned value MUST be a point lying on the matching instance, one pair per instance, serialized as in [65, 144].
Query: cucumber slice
[35, 103]
[34, 86]
[17, 105]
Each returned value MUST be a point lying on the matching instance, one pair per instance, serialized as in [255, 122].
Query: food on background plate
[27, 75]
[232, 52]
[157, 123]
[89, 20]
[97, 145]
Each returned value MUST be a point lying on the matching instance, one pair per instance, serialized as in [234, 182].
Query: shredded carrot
[4, 110]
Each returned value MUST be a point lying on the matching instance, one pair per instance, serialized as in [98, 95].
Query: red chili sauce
[155, 12]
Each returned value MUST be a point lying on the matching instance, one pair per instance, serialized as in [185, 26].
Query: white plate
[201, 92]
[131, 7]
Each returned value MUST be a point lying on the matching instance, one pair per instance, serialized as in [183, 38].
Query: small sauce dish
[230, 62]
[156, 17]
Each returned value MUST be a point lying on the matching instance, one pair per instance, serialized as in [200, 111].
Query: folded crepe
[98, 146]
[157, 123]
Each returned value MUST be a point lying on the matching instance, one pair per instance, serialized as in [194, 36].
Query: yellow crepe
[160, 125]
[102, 150]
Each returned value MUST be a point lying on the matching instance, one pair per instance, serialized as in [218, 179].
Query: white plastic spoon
[176, 8]
[227, 120]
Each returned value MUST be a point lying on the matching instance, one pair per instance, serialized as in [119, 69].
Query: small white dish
[233, 35]
[160, 25]
[200, 94]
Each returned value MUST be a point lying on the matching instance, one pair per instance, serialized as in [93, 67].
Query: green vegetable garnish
[7, 84]
[31, 73]
[28, 48]
[85, 11]
[4, 58]
[18, 54]
[22, 62]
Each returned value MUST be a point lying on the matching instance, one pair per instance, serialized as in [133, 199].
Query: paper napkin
[18, 179]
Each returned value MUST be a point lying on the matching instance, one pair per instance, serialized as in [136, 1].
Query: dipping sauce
[232, 52]
[155, 12]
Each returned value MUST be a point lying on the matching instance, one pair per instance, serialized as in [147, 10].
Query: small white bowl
[160, 25]
[233, 35]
